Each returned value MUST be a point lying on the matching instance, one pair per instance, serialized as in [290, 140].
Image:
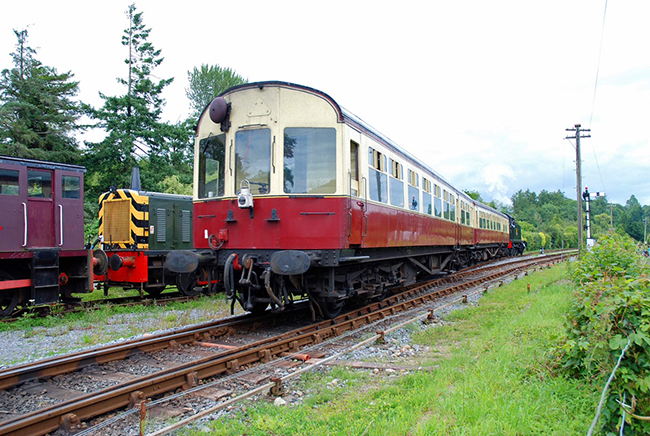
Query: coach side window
[438, 202]
[395, 184]
[378, 179]
[414, 192]
[426, 196]
[9, 182]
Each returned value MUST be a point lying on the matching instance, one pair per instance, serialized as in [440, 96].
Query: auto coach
[295, 197]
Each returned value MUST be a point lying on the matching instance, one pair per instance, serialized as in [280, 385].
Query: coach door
[358, 204]
[40, 210]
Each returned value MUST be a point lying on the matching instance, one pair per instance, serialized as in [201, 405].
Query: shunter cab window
[253, 159]
[39, 184]
[309, 160]
[212, 158]
[9, 182]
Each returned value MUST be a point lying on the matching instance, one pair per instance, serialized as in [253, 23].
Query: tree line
[550, 220]
[41, 118]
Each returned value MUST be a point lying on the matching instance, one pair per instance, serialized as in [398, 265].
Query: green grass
[108, 323]
[492, 377]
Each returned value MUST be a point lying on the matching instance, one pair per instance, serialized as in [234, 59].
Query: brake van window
[71, 187]
[39, 184]
[9, 182]
[309, 160]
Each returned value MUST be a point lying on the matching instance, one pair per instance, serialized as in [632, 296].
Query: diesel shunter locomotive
[137, 229]
[295, 197]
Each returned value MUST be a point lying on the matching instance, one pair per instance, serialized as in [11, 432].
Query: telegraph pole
[579, 178]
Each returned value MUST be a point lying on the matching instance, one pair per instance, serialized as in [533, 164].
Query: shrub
[611, 305]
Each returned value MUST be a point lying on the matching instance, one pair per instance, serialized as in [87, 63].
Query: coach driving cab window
[309, 160]
[211, 166]
[39, 184]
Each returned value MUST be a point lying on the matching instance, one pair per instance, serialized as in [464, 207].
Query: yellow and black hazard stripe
[124, 219]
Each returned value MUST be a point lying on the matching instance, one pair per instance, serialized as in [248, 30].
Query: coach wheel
[188, 284]
[331, 308]
[259, 307]
[154, 291]
[9, 298]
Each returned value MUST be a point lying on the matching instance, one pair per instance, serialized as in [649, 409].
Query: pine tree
[136, 135]
[38, 116]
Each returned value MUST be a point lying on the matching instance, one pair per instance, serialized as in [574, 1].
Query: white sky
[480, 90]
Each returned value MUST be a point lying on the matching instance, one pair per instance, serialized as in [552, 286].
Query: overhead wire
[593, 101]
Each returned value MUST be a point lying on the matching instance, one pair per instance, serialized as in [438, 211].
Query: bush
[611, 305]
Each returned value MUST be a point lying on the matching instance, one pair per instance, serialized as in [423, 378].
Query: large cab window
[211, 166]
[253, 159]
[309, 160]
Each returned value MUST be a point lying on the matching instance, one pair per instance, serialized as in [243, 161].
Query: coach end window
[309, 160]
[253, 159]
[211, 166]
[9, 182]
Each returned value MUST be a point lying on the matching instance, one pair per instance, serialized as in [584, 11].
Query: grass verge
[492, 377]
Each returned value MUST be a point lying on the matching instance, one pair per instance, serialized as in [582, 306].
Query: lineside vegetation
[611, 311]
[492, 376]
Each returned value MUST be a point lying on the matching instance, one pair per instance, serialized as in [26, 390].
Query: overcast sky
[482, 91]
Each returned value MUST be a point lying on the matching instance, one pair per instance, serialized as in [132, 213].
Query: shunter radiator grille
[117, 221]
[161, 231]
[186, 224]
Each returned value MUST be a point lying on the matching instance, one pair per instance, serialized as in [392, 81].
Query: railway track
[212, 359]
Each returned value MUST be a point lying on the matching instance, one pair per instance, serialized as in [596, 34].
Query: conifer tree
[135, 133]
[38, 116]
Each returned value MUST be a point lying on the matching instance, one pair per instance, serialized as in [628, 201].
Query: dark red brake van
[42, 254]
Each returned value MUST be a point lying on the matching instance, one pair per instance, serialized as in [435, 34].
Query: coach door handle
[61, 223]
[25, 218]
